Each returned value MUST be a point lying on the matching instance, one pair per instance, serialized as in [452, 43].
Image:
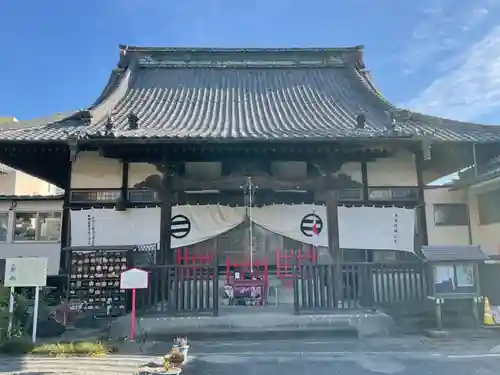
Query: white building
[31, 227]
[466, 212]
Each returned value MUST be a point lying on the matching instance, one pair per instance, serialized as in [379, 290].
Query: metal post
[35, 314]
[250, 202]
[11, 311]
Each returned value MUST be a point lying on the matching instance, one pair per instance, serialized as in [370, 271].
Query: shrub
[78, 348]
[16, 347]
[22, 346]
[19, 316]
[92, 348]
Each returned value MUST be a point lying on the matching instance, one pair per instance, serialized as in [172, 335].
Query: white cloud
[443, 29]
[470, 90]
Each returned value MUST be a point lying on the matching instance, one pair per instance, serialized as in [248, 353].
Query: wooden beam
[236, 198]
[252, 152]
[236, 182]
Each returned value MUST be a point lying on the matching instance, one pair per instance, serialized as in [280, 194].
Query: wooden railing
[361, 285]
[182, 290]
[175, 290]
[111, 195]
[375, 194]
[398, 193]
[94, 195]
[143, 196]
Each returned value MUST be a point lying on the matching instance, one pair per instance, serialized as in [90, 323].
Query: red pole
[132, 322]
[266, 270]
[193, 259]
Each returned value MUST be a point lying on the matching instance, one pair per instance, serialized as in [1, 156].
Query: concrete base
[256, 321]
[464, 333]
[437, 333]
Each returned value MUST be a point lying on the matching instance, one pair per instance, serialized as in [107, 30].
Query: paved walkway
[264, 321]
[115, 364]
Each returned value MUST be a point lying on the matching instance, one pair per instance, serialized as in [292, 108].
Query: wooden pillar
[166, 255]
[364, 179]
[124, 187]
[65, 224]
[64, 260]
[368, 255]
[332, 218]
[422, 220]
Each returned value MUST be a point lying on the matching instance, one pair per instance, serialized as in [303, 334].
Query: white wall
[91, 171]
[444, 235]
[488, 236]
[399, 170]
[13, 182]
[8, 183]
[47, 249]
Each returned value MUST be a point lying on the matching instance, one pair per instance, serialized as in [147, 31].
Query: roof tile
[247, 103]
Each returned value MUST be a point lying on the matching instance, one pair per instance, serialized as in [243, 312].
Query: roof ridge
[149, 49]
[173, 57]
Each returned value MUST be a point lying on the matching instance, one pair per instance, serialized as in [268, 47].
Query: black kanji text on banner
[180, 226]
[307, 225]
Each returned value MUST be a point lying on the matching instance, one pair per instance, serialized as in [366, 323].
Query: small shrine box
[454, 270]
[453, 276]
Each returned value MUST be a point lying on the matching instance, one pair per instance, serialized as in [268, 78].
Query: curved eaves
[108, 102]
[113, 81]
[427, 123]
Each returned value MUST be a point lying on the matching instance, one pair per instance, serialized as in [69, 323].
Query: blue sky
[441, 57]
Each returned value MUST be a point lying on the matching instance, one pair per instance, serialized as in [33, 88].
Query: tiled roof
[182, 94]
[453, 253]
[482, 173]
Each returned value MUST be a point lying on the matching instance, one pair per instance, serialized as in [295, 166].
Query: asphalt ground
[404, 355]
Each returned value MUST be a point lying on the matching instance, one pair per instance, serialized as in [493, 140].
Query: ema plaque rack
[94, 282]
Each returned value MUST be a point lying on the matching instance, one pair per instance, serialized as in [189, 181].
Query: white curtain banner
[377, 228]
[387, 228]
[195, 224]
[107, 227]
[136, 226]
[301, 222]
